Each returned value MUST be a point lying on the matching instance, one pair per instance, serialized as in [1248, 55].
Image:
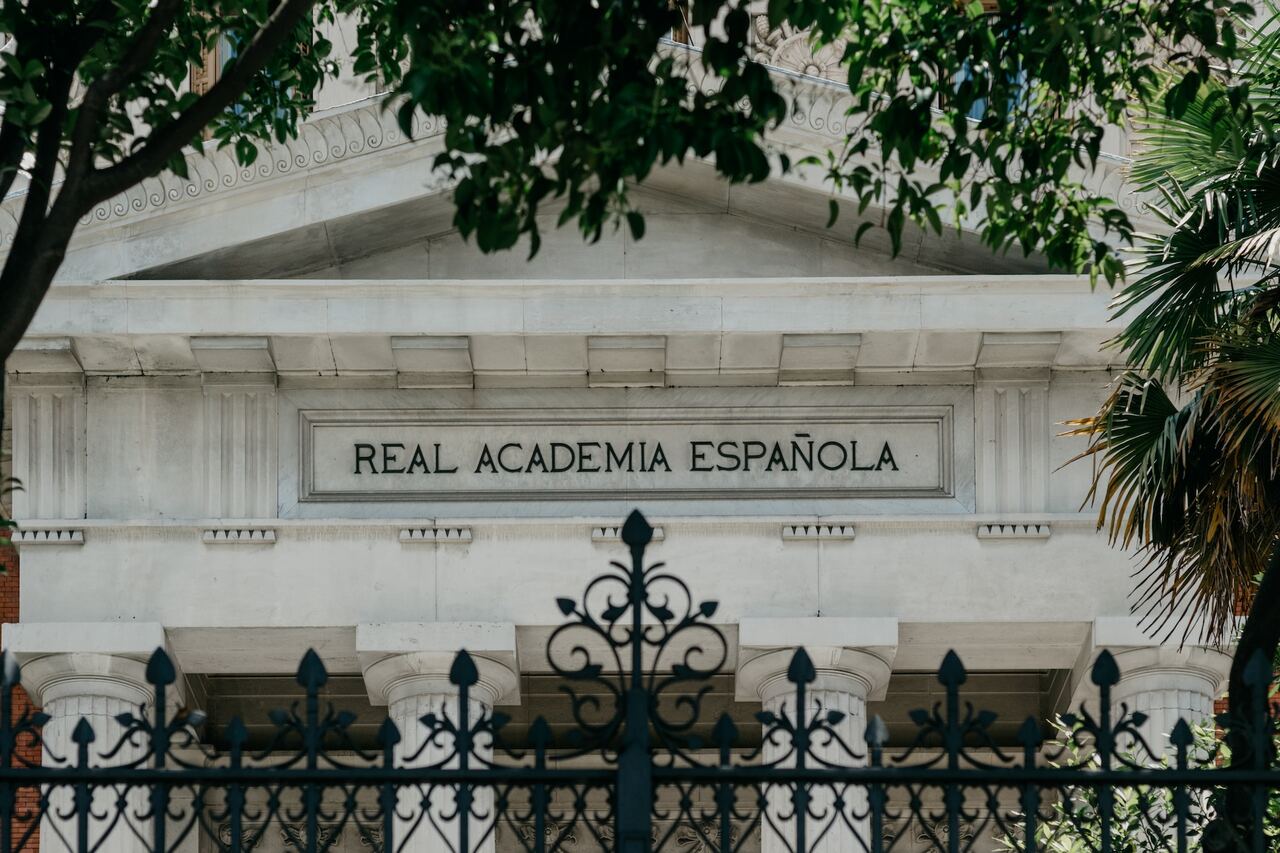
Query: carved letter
[822, 454]
[439, 468]
[853, 464]
[418, 460]
[535, 458]
[502, 454]
[389, 458]
[659, 458]
[886, 458]
[364, 453]
[611, 459]
[585, 456]
[729, 450]
[798, 448]
[751, 450]
[776, 458]
[556, 467]
[486, 460]
[698, 455]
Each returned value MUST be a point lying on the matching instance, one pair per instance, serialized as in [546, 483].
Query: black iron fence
[641, 769]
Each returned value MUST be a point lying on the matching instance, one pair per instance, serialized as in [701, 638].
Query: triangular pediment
[696, 226]
[352, 196]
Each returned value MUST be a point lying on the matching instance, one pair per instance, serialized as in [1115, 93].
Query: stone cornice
[438, 333]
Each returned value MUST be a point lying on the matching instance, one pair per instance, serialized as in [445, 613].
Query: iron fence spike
[636, 531]
[801, 670]
[463, 673]
[83, 733]
[877, 731]
[160, 669]
[1105, 672]
[12, 673]
[1030, 734]
[388, 733]
[311, 672]
[952, 672]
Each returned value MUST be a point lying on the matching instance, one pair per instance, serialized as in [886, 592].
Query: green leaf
[636, 223]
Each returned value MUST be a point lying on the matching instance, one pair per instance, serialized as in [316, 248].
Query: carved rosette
[793, 50]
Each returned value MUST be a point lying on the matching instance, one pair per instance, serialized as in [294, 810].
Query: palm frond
[1177, 302]
[1193, 505]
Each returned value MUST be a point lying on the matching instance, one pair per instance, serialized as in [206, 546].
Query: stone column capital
[1147, 665]
[405, 659]
[70, 659]
[1196, 668]
[863, 673]
[48, 678]
[850, 655]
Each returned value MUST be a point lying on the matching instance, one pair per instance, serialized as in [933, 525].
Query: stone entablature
[605, 332]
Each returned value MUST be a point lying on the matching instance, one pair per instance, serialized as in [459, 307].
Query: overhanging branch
[164, 142]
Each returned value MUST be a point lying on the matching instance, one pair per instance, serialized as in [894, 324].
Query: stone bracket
[239, 536]
[1013, 530]
[435, 535]
[48, 536]
[792, 532]
[613, 533]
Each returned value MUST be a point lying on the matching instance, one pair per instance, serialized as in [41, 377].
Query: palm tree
[1187, 445]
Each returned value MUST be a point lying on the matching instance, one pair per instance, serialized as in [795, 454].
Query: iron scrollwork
[641, 767]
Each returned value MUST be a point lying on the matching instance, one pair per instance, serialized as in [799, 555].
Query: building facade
[286, 406]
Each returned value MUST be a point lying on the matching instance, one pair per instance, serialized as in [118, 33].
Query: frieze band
[512, 454]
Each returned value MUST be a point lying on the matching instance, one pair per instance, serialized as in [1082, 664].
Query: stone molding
[403, 675]
[325, 140]
[62, 660]
[860, 672]
[403, 660]
[1196, 669]
[238, 536]
[48, 536]
[435, 535]
[48, 678]
[1013, 530]
[613, 533]
[803, 530]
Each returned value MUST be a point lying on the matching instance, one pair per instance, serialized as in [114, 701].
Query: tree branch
[37, 249]
[164, 142]
[88, 117]
[12, 147]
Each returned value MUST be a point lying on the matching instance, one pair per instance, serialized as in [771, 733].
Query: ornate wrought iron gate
[638, 772]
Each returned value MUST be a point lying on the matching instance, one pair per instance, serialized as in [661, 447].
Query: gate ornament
[641, 769]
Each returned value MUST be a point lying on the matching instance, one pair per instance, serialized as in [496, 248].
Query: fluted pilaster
[844, 679]
[408, 669]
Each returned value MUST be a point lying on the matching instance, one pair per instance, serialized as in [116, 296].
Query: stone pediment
[352, 186]
[696, 225]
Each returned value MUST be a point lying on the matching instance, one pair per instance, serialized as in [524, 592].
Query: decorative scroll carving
[323, 141]
[554, 835]
[791, 49]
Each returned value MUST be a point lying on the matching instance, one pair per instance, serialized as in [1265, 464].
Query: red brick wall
[28, 798]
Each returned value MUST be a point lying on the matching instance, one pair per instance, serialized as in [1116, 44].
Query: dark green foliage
[574, 100]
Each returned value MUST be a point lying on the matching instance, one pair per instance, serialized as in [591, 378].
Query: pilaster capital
[1198, 669]
[850, 655]
[405, 659]
[858, 672]
[66, 659]
[1148, 666]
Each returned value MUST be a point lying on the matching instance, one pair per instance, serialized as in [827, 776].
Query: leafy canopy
[990, 118]
[1188, 444]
